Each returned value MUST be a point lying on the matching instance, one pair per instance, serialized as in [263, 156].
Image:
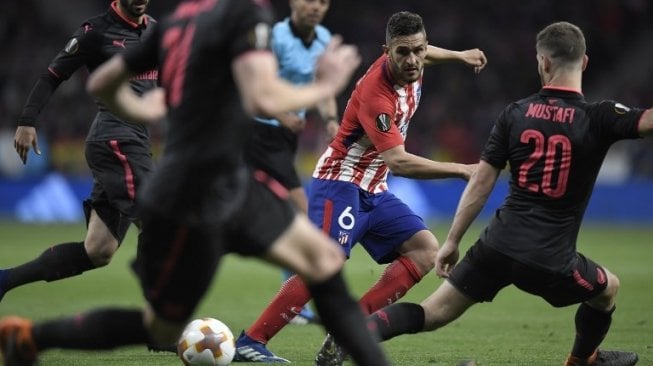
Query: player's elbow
[397, 161]
[397, 167]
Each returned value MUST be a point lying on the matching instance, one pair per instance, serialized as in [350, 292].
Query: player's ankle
[573, 361]
[577, 361]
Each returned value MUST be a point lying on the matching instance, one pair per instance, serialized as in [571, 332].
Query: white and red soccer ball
[206, 342]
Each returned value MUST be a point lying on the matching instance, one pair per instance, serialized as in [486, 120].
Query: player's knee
[422, 249]
[613, 285]
[327, 264]
[100, 250]
[606, 299]
[424, 258]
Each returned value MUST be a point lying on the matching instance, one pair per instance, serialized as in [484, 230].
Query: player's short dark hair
[562, 41]
[403, 23]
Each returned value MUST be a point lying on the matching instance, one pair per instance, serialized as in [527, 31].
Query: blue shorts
[381, 222]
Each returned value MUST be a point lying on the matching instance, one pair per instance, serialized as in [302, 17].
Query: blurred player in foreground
[215, 66]
[555, 143]
[297, 42]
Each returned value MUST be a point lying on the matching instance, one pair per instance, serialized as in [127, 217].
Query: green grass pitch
[516, 329]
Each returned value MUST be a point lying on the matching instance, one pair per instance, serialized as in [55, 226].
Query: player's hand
[154, 105]
[24, 139]
[468, 170]
[293, 121]
[446, 259]
[474, 58]
[337, 64]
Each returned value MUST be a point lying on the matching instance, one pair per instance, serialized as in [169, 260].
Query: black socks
[98, 329]
[591, 327]
[397, 319]
[57, 262]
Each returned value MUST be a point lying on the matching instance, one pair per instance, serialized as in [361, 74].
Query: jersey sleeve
[616, 121]
[376, 116]
[496, 148]
[72, 57]
[252, 26]
[81, 47]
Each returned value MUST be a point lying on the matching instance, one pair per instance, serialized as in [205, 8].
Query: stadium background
[455, 116]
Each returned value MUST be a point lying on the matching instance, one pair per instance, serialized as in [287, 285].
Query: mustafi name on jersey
[551, 113]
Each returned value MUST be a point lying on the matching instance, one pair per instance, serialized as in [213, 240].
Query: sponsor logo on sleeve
[120, 44]
[620, 108]
[72, 46]
[259, 37]
[383, 122]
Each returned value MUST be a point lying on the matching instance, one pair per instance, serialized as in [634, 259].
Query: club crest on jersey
[343, 237]
[620, 108]
[72, 46]
[383, 122]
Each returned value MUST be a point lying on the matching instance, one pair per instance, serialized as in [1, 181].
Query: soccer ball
[206, 342]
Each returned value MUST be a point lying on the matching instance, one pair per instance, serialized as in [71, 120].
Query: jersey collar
[296, 33]
[561, 91]
[115, 10]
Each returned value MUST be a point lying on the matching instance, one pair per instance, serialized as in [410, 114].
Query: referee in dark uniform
[554, 142]
[202, 200]
[117, 151]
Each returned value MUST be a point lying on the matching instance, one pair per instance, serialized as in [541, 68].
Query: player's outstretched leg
[55, 263]
[96, 330]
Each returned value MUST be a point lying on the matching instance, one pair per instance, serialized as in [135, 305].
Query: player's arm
[263, 92]
[470, 205]
[474, 57]
[67, 61]
[25, 136]
[328, 109]
[473, 199]
[404, 164]
[109, 83]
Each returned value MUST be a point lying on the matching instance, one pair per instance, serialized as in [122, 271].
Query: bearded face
[407, 54]
[134, 8]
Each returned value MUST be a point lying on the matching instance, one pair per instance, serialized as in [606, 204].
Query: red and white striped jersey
[375, 120]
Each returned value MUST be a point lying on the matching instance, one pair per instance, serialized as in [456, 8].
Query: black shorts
[483, 272]
[273, 150]
[176, 261]
[119, 169]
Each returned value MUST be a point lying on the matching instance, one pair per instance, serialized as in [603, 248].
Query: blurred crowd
[457, 107]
